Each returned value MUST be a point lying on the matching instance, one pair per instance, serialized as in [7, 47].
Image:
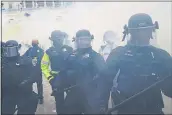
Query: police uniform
[84, 67]
[36, 53]
[83, 72]
[52, 65]
[17, 81]
[135, 68]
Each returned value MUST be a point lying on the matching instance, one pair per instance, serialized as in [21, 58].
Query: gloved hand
[57, 90]
[55, 84]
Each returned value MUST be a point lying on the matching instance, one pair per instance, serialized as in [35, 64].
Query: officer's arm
[111, 68]
[102, 84]
[100, 64]
[29, 70]
[112, 63]
[41, 54]
[45, 63]
[166, 86]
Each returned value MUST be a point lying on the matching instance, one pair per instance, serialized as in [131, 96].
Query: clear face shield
[10, 51]
[56, 42]
[67, 42]
[83, 42]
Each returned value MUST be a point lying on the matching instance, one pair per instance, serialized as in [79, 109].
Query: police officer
[83, 72]
[110, 40]
[54, 57]
[36, 53]
[138, 65]
[17, 81]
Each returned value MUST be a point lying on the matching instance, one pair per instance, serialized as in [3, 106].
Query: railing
[31, 5]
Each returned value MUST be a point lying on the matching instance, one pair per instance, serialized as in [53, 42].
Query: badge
[34, 61]
[17, 64]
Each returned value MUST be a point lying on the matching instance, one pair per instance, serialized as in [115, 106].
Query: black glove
[56, 91]
[56, 85]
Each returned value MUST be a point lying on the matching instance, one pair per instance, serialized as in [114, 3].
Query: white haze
[97, 17]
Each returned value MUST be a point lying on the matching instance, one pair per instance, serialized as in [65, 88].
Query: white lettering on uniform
[44, 62]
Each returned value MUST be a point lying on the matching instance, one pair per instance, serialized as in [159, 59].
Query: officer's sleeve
[29, 69]
[102, 84]
[41, 54]
[110, 71]
[112, 63]
[166, 86]
[45, 63]
[100, 64]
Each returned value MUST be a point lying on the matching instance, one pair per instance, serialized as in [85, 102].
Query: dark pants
[136, 106]
[40, 89]
[79, 101]
[59, 83]
[9, 103]
[74, 103]
[39, 85]
[26, 104]
[138, 110]
[59, 98]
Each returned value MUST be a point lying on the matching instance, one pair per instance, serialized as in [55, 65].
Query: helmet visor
[10, 51]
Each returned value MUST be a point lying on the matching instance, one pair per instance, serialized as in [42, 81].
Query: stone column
[24, 3]
[45, 3]
[53, 4]
[33, 5]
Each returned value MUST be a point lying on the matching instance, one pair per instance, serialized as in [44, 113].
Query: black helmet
[57, 34]
[57, 37]
[11, 48]
[83, 33]
[83, 39]
[140, 21]
[11, 43]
